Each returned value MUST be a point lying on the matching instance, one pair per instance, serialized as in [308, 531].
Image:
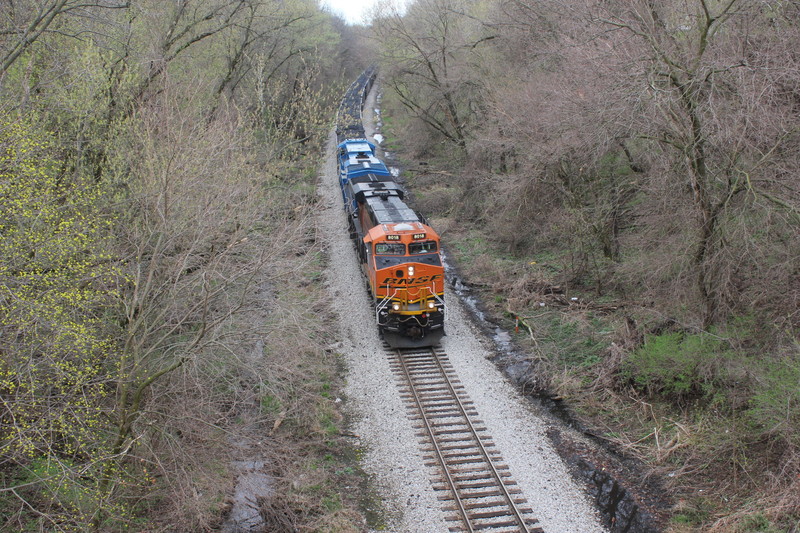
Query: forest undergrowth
[620, 177]
[161, 315]
[704, 411]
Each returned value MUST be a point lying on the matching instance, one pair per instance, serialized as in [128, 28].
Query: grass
[470, 248]
[270, 405]
[712, 413]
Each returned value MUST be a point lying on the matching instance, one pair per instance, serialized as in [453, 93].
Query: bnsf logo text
[412, 281]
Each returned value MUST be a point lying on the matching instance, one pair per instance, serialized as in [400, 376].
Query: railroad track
[474, 485]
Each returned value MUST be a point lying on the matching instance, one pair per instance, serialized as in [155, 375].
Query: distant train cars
[398, 252]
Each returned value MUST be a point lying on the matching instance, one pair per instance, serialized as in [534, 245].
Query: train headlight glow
[396, 307]
[431, 304]
[411, 270]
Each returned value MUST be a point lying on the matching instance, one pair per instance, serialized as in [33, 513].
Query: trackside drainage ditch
[252, 487]
[620, 509]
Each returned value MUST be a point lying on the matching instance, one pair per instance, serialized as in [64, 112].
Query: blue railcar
[399, 253]
[356, 158]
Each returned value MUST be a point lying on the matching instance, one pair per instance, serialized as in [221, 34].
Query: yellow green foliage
[55, 283]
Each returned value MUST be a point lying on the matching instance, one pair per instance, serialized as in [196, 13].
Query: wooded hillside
[622, 175]
[157, 164]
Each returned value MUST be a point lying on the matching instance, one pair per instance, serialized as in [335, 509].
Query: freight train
[399, 253]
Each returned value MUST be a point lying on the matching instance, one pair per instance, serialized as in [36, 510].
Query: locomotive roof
[390, 210]
[357, 145]
[374, 185]
[358, 156]
[364, 161]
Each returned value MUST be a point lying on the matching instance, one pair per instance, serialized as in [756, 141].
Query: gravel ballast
[380, 420]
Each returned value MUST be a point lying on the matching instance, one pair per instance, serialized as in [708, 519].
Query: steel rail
[461, 412]
[479, 444]
[434, 442]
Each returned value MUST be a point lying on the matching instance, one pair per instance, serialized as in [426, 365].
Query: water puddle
[252, 487]
[502, 340]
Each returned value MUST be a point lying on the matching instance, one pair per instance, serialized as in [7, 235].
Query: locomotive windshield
[425, 247]
[386, 261]
[390, 248]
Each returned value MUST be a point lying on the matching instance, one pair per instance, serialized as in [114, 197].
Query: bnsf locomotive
[398, 251]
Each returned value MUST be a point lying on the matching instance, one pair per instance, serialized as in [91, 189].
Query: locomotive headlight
[396, 307]
[431, 304]
[411, 270]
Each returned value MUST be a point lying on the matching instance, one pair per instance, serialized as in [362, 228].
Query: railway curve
[400, 461]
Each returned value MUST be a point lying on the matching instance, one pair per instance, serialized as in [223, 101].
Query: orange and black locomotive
[398, 251]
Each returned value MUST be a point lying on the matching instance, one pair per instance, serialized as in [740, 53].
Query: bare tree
[693, 63]
[431, 54]
[25, 22]
[189, 205]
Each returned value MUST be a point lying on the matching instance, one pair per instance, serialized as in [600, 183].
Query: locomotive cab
[406, 278]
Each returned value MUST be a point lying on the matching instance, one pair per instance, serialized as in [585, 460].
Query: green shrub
[756, 523]
[775, 406]
[682, 366]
